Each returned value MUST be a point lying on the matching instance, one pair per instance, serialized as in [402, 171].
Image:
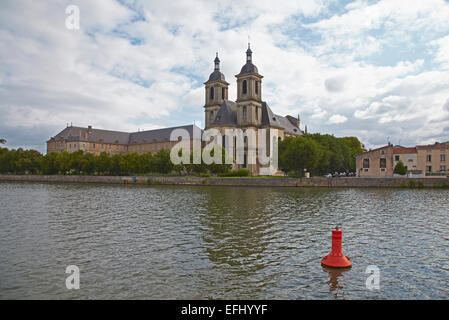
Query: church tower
[216, 92]
[249, 93]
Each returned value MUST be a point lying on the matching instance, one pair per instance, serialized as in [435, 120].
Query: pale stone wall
[253, 182]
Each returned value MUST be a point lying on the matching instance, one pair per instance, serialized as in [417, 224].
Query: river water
[175, 242]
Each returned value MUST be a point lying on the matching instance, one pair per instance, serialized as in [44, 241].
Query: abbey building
[248, 112]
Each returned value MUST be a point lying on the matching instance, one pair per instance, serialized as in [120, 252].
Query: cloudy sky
[377, 70]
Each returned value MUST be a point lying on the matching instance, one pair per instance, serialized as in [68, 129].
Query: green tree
[299, 153]
[48, 164]
[163, 163]
[102, 163]
[2, 141]
[400, 169]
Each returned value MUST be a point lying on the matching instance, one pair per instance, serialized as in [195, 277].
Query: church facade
[248, 112]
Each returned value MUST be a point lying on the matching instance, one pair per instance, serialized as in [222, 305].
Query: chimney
[89, 129]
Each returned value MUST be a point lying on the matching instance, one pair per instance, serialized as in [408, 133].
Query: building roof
[119, 137]
[403, 150]
[434, 146]
[288, 126]
[216, 76]
[249, 67]
[158, 135]
[227, 114]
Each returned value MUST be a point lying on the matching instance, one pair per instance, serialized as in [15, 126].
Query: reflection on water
[336, 281]
[173, 242]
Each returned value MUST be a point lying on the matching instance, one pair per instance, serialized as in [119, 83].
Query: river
[186, 242]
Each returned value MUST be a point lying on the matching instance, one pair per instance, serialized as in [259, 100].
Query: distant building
[95, 141]
[419, 161]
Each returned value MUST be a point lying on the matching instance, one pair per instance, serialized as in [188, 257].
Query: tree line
[319, 154]
[33, 162]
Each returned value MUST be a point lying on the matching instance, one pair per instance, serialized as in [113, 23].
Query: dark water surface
[174, 242]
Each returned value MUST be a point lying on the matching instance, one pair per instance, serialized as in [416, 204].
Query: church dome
[249, 68]
[216, 75]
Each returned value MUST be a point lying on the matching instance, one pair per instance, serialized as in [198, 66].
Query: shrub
[400, 169]
[412, 184]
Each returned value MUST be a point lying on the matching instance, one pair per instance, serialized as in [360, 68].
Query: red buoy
[336, 259]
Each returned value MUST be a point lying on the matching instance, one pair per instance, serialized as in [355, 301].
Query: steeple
[249, 54]
[217, 63]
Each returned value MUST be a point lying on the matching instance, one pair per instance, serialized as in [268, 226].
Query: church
[247, 113]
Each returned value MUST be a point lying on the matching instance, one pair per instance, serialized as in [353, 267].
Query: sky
[377, 70]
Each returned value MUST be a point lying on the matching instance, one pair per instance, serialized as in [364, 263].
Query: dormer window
[244, 87]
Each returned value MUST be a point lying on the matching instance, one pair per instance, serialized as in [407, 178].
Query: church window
[268, 143]
[244, 87]
[257, 87]
[244, 113]
[211, 95]
[223, 93]
[211, 117]
[257, 113]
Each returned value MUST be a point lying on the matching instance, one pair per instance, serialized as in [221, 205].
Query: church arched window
[223, 93]
[211, 95]
[257, 87]
[244, 113]
[211, 116]
[244, 87]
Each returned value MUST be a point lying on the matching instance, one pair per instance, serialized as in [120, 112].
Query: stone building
[114, 142]
[248, 111]
[420, 161]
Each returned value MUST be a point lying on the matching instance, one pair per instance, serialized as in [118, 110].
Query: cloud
[337, 119]
[361, 68]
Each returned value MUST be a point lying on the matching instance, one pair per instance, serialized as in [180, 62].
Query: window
[442, 168]
[244, 113]
[429, 168]
[94, 145]
[429, 158]
[211, 116]
[366, 163]
[257, 87]
[267, 134]
[223, 93]
[383, 163]
[257, 113]
[211, 94]
[396, 158]
[382, 152]
[244, 87]
[443, 158]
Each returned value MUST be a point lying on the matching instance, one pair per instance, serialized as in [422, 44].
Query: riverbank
[356, 182]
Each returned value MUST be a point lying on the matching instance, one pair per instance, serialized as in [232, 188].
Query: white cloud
[142, 65]
[337, 119]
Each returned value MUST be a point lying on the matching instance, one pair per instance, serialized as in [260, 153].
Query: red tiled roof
[401, 150]
[434, 146]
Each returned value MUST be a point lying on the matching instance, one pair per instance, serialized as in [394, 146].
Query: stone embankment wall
[348, 182]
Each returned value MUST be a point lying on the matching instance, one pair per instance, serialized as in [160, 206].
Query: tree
[299, 153]
[2, 141]
[400, 169]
